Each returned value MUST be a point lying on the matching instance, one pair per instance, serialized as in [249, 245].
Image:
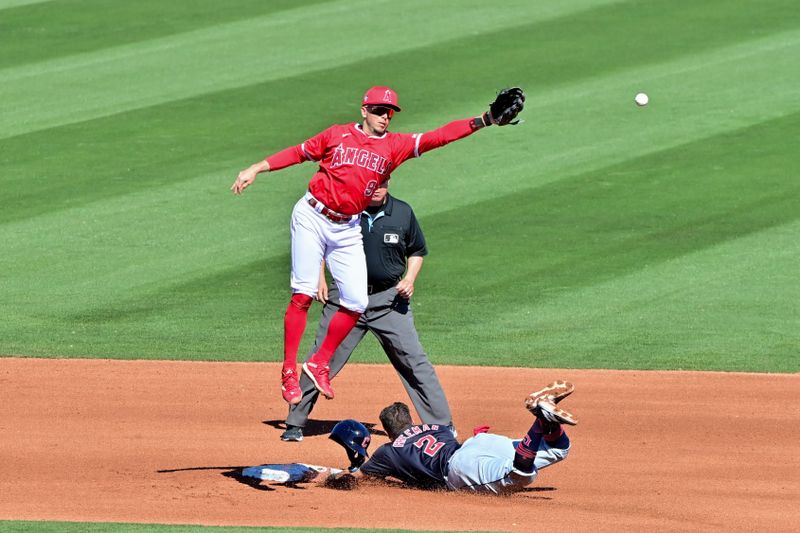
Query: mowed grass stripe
[538, 247]
[42, 31]
[7, 4]
[601, 228]
[201, 61]
[129, 264]
[175, 223]
[690, 196]
[576, 127]
[233, 314]
[192, 219]
[570, 125]
[145, 162]
[287, 43]
[729, 307]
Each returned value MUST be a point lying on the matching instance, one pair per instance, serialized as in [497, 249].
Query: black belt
[330, 214]
[380, 287]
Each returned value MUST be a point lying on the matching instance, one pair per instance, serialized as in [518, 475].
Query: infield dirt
[155, 441]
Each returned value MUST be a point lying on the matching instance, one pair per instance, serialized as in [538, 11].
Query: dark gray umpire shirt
[391, 234]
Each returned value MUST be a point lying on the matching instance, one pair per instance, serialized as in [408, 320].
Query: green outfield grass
[596, 234]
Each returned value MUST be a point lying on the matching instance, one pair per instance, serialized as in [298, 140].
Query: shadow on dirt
[235, 473]
[321, 427]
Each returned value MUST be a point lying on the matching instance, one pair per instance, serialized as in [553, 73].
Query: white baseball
[641, 99]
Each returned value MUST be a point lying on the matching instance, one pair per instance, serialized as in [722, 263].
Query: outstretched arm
[343, 480]
[311, 150]
[452, 131]
[248, 176]
[503, 111]
[290, 156]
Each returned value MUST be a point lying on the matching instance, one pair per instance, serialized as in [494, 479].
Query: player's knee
[301, 301]
[356, 314]
[354, 306]
[559, 454]
[559, 450]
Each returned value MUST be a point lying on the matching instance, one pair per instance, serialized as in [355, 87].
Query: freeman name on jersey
[413, 431]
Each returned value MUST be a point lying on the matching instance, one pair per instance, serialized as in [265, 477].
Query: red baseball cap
[381, 95]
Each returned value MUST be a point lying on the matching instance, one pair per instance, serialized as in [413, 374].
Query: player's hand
[322, 292]
[243, 181]
[405, 288]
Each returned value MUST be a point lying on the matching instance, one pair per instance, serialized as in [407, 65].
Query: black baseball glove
[505, 108]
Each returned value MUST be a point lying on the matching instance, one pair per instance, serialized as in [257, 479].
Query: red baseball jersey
[352, 164]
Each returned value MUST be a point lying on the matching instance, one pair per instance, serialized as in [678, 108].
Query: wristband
[482, 121]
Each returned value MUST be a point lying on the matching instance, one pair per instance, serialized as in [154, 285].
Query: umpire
[394, 245]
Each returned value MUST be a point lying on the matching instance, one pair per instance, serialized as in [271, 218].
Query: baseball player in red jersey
[354, 159]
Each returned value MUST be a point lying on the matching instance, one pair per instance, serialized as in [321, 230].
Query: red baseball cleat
[320, 375]
[290, 388]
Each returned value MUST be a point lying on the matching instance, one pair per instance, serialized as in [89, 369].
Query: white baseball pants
[314, 237]
[484, 462]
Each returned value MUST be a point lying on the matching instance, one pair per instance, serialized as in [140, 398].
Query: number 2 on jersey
[430, 444]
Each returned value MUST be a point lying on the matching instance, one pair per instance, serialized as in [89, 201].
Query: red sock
[551, 431]
[294, 324]
[554, 435]
[525, 452]
[341, 324]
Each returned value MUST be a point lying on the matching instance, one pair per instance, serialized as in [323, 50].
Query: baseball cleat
[320, 375]
[292, 434]
[555, 391]
[290, 388]
[545, 409]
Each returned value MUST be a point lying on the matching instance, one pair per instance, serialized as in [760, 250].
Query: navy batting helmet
[353, 435]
